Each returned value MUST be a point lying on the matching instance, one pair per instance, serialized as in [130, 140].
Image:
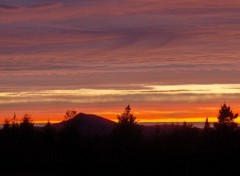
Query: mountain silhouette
[92, 125]
[88, 124]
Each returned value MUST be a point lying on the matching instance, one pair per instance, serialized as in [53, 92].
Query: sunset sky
[176, 60]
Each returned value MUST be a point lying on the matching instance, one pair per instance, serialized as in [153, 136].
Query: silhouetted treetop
[26, 122]
[206, 124]
[6, 124]
[11, 123]
[226, 116]
[70, 114]
[127, 131]
[127, 116]
[14, 121]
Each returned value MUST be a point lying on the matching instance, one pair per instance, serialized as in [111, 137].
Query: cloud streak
[46, 6]
[151, 93]
[8, 8]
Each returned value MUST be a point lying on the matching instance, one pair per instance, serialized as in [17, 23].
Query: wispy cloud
[46, 6]
[9, 8]
[20, 8]
[150, 93]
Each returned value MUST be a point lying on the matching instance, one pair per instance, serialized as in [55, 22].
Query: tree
[70, 114]
[26, 129]
[187, 125]
[10, 123]
[14, 121]
[206, 125]
[48, 125]
[226, 117]
[26, 122]
[127, 130]
[127, 117]
[6, 125]
[49, 132]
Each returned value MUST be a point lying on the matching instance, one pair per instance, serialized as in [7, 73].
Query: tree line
[186, 150]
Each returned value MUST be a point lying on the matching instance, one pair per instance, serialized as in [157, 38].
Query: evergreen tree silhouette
[127, 128]
[26, 122]
[226, 117]
[206, 125]
[26, 128]
[127, 117]
[49, 132]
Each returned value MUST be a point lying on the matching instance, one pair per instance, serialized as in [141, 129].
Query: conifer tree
[226, 117]
[127, 130]
[207, 125]
[127, 116]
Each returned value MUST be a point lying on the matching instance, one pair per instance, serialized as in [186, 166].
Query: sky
[172, 60]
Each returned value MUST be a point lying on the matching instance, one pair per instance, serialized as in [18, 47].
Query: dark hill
[87, 124]
[90, 124]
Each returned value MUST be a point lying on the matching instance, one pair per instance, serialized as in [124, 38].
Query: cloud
[9, 8]
[46, 6]
[39, 7]
[170, 93]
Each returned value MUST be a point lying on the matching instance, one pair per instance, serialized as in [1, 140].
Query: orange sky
[170, 60]
[149, 103]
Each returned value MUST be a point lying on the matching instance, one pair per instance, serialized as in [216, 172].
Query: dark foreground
[184, 151]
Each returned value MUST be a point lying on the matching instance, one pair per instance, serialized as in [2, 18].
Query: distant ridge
[88, 124]
[92, 125]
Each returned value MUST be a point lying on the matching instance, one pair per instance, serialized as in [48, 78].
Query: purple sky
[98, 56]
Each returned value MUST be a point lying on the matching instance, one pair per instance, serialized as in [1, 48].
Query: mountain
[90, 124]
[87, 124]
